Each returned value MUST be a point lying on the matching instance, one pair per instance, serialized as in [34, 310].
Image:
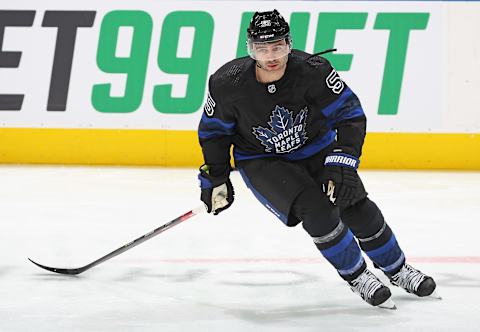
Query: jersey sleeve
[342, 110]
[215, 132]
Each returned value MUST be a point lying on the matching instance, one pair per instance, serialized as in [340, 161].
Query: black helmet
[267, 27]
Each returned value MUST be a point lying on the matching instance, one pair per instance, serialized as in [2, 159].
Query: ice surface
[239, 271]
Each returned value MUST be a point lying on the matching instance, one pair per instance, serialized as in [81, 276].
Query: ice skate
[372, 290]
[415, 282]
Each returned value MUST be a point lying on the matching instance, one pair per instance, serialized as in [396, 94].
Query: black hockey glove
[217, 192]
[340, 178]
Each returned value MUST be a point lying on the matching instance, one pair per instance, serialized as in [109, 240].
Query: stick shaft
[127, 246]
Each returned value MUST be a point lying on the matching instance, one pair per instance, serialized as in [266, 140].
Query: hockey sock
[374, 235]
[342, 251]
[383, 249]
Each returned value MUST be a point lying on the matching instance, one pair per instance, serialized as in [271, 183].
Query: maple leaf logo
[285, 133]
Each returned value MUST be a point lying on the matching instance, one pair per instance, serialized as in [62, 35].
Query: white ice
[239, 271]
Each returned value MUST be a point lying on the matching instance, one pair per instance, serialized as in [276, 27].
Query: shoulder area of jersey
[313, 62]
[231, 72]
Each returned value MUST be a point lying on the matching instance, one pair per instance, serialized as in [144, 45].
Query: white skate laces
[372, 290]
[414, 281]
[408, 278]
[366, 285]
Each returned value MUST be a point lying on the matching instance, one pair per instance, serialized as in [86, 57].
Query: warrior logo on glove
[340, 177]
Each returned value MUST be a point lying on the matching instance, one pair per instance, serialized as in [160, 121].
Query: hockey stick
[126, 247]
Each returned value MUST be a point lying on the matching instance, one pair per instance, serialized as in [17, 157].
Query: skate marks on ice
[244, 295]
[5, 270]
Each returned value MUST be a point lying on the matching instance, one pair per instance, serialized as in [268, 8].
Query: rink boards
[180, 148]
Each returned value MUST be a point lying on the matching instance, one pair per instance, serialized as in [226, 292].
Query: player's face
[271, 56]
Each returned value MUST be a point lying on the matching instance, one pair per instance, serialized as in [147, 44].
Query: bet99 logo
[135, 65]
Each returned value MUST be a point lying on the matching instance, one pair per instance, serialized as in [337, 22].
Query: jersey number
[334, 82]
[209, 107]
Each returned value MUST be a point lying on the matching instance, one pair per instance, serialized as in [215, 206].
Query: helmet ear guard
[267, 27]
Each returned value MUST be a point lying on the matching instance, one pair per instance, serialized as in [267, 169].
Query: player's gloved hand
[340, 178]
[216, 192]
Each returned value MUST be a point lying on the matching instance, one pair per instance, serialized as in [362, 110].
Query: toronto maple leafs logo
[285, 134]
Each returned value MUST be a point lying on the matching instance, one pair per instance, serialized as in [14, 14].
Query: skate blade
[435, 295]
[388, 304]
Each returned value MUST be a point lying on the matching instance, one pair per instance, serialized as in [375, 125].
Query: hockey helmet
[265, 28]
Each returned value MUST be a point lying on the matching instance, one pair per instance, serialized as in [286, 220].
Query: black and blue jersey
[293, 118]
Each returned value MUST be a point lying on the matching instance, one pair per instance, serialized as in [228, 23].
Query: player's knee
[318, 215]
[363, 218]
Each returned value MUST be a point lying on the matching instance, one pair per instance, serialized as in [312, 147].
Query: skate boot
[415, 282]
[372, 290]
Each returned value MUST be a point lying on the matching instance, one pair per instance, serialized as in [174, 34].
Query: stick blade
[58, 270]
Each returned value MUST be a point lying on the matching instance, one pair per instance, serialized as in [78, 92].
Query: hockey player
[297, 130]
